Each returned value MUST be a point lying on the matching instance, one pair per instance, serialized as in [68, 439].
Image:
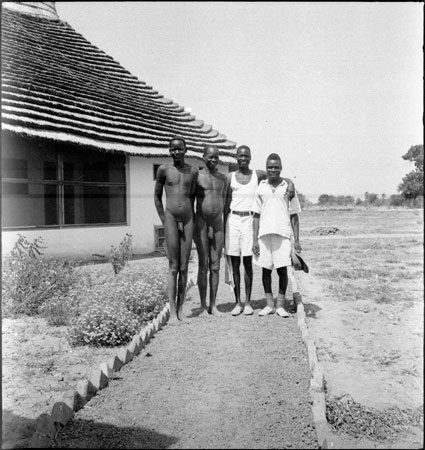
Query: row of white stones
[49, 425]
[317, 382]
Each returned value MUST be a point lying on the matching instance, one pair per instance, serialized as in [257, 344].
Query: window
[44, 184]
[159, 237]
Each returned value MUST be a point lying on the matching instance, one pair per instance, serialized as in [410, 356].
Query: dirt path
[227, 382]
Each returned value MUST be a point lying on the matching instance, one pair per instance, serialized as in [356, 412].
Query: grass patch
[352, 419]
[386, 270]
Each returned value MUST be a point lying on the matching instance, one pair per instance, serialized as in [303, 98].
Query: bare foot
[201, 311]
[173, 321]
[182, 317]
[215, 312]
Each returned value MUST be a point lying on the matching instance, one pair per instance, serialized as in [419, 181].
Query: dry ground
[365, 305]
[364, 302]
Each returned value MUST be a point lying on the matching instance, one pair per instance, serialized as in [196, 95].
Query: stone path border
[325, 438]
[49, 425]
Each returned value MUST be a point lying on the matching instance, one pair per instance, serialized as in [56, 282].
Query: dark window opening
[48, 185]
[159, 237]
[14, 168]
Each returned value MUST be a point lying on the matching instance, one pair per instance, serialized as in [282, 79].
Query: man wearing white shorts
[238, 218]
[275, 222]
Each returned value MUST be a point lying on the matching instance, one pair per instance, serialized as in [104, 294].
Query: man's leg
[236, 262]
[172, 240]
[292, 295]
[283, 279]
[216, 248]
[201, 242]
[185, 249]
[267, 285]
[283, 284]
[265, 261]
[247, 264]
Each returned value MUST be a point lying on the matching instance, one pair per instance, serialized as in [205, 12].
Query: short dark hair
[177, 138]
[274, 156]
[241, 147]
[207, 146]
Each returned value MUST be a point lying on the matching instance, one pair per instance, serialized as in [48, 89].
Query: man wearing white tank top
[238, 219]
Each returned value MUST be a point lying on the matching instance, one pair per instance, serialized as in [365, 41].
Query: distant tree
[323, 199]
[412, 185]
[359, 202]
[397, 200]
[332, 200]
[366, 199]
[415, 154]
[340, 200]
[348, 200]
[370, 198]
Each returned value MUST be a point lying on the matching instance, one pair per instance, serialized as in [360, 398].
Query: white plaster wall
[142, 215]
[84, 243]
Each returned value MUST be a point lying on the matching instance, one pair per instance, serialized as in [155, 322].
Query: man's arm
[227, 199]
[291, 188]
[255, 228]
[193, 188]
[159, 186]
[296, 229]
[261, 175]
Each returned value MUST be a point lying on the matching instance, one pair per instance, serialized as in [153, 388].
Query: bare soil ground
[365, 307]
[211, 382]
[368, 330]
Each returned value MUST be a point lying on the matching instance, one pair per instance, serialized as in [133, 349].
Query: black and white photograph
[212, 225]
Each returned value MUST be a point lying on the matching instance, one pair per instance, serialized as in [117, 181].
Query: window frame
[60, 184]
[157, 228]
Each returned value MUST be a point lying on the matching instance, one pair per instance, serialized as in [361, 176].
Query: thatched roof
[57, 85]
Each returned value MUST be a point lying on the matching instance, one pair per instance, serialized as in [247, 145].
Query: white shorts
[275, 252]
[238, 235]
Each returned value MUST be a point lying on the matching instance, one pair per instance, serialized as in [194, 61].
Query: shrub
[145, 296]
[111, 312]
[121, 254]
[59, 310]
[29, 281]
[106, 323]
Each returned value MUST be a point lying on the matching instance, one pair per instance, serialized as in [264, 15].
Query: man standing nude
[209, 235]
[179, 180]
[238, 219]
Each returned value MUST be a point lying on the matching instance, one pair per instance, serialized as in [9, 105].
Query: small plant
[23, 248]
[107, 323]
[143, 293]
[60, 309]
[121, 254]
[28, 280]
[110, 312]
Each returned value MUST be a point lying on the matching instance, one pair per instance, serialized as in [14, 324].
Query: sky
[336, 89]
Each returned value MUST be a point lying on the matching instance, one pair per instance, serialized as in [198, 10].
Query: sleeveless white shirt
[243, 194]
